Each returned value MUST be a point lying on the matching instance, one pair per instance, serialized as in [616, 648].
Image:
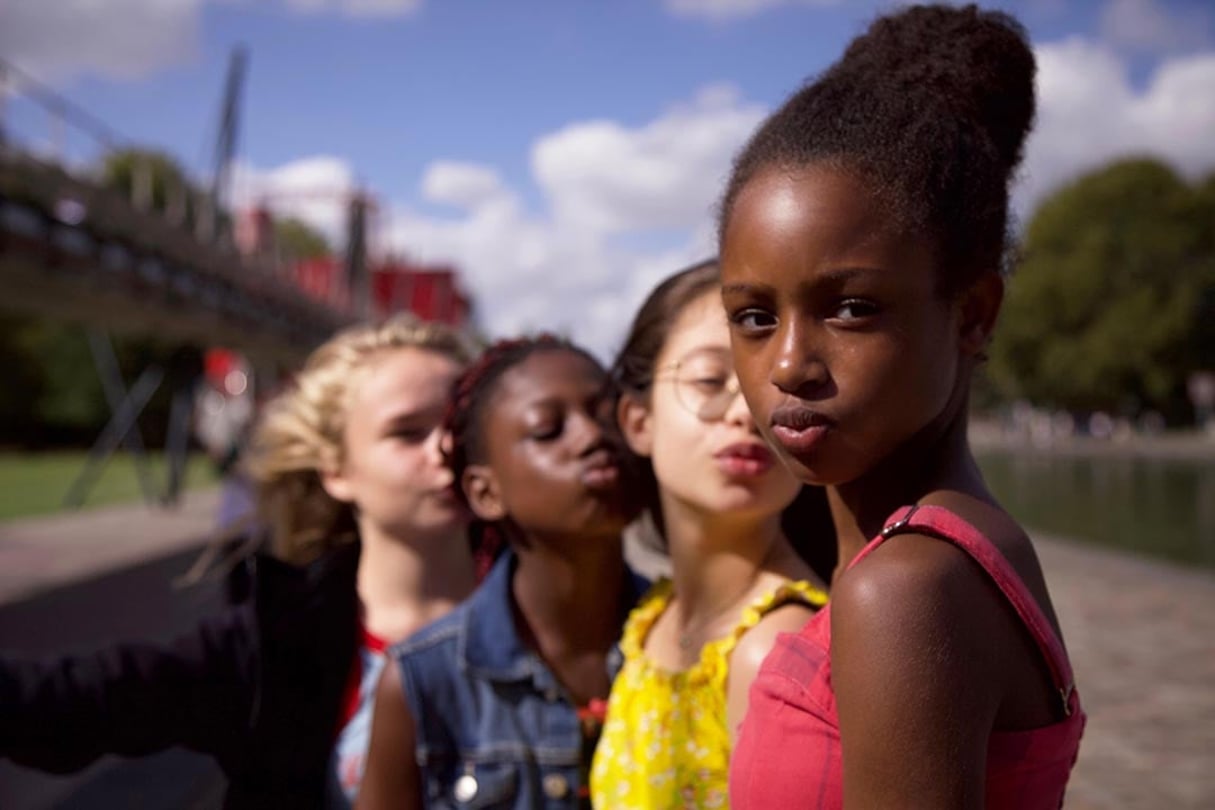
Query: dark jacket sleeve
[61, 714]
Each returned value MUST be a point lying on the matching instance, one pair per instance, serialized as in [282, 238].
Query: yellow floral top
[665, 743]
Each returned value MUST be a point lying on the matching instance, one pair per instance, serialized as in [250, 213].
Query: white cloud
[357, 8]
[117, 38]
[316, 190]
[1089, 113]
[1148, 26]
[605, 178]
[466, 185]
[54, 40]
[564, 268]
[719, 10]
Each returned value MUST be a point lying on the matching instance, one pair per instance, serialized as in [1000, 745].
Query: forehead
[805, 220]
[403, 379]
[700, 325]
[547, 374]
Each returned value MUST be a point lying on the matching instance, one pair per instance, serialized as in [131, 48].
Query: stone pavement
[1141, 635]
[38, 554]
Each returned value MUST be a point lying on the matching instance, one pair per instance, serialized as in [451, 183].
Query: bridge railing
[70, 245]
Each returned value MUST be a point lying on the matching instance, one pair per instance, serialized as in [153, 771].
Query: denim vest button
[551, 695]
[466, 788]
[555, 786]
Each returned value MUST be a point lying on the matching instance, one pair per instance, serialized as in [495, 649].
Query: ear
[979, 305]
[335, 482]
[483, 492]
[636, 424]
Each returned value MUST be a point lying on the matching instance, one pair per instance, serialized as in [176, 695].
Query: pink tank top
[792, 703]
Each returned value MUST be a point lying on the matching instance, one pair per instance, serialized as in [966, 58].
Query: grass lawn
[37, 483]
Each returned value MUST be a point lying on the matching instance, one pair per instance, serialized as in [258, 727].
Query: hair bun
[967, 63]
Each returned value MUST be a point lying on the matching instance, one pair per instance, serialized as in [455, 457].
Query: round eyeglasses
[705, 383]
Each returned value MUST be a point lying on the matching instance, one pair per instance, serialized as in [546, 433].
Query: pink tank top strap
[941, 523]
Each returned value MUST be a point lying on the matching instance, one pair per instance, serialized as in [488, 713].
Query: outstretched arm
[60, 714]
[392, 778]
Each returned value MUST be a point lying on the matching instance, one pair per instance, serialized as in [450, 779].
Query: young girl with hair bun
[863, 240]
[498, 704]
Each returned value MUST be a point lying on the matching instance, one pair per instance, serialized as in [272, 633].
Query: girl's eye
[854, 309]
[710, 384]
[545, 432]
[753, 319]
[412, 435]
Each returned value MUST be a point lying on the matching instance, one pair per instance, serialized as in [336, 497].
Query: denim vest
[494, 727]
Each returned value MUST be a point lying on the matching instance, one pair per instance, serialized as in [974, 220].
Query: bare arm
[916, 677]
[392, 778]
[750, 653]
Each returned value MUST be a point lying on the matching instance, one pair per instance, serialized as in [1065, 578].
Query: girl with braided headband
[497, 703]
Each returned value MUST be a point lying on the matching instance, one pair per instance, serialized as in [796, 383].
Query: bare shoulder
[1009, 538]
[757, 642]
[911, 589]
[750, 652]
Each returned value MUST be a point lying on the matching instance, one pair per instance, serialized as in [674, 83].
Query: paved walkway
[1142, 640]
[1141, 635]
[37, 554]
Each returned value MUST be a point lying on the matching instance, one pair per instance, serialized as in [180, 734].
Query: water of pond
[1161, 507]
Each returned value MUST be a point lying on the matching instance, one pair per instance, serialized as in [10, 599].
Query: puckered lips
[601, 471]
[744, 459]
[798, 429]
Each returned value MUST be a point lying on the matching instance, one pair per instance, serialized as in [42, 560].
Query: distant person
[863, 234]
[718, 493]
[225, 411]
[368, 546]
[498, 704]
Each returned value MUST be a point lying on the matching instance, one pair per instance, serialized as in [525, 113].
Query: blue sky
[564, 154]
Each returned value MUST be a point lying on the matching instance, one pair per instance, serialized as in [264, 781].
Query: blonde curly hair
[300, 433]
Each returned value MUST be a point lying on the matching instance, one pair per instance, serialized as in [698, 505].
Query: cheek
[677, 436]
[753, 381]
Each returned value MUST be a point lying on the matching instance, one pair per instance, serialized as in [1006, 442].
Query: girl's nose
[589, 432]
[797, 368]
[737, 412]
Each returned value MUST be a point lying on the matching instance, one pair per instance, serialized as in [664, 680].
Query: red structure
[433, 293]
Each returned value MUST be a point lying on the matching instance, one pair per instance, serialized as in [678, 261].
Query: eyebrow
[836, 276]
[708, 347]
[413, 415]
[727, 289]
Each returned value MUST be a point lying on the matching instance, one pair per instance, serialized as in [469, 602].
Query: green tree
[134, 172]
[299, 240]
[1106, 308]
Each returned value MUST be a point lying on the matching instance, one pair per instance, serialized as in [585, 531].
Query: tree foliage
[168, 186]
[299, 240]
[1117, 285]
[56, 395]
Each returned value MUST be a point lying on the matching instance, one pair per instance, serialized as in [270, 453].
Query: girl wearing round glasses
[717, 494]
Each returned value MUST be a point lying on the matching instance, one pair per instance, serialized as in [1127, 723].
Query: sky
[564, 155]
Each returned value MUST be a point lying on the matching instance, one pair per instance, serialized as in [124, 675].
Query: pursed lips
[601, 470]
[798, 428]
[745, 459]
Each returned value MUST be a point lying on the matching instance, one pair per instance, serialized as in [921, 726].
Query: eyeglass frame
[732, 388]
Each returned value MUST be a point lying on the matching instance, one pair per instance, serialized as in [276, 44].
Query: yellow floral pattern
[665, 743]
